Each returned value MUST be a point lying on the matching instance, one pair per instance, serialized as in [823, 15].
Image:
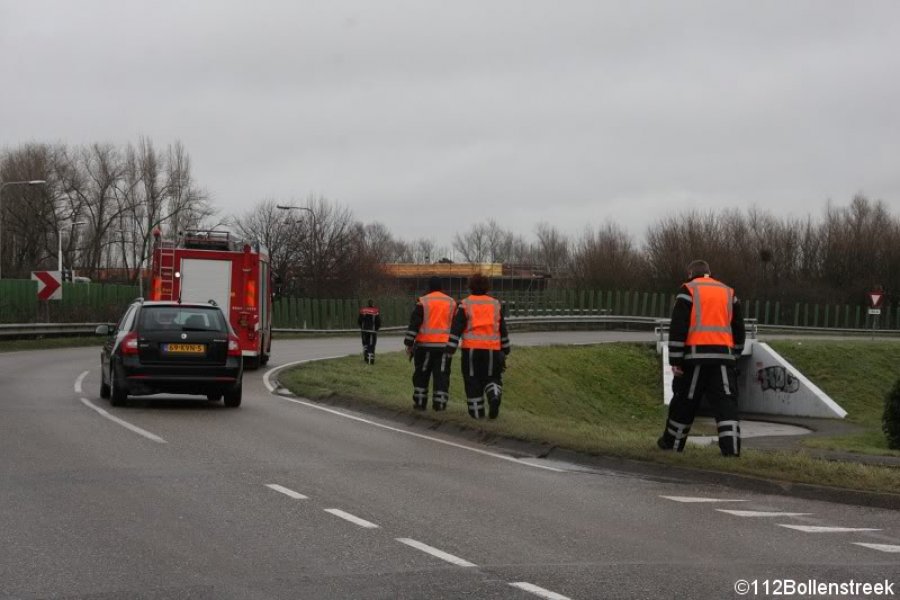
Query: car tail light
[234, 346]
[130, 343]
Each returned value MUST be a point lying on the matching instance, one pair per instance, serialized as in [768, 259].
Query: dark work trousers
[718, 382]
[431, 363]
[369, 339]
[482, 371]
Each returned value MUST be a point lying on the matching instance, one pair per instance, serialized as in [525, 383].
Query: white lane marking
[823, 529]
[352, 518]
[436, 553]
[881, 547]
[78, 382]
[125, 424]
[538, 591]
[395, 429]
[761, 513]
[267, 377]
[286, 491]
[693, 499]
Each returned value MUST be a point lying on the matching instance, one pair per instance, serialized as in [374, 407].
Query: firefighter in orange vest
[706, 335]
[479, 329]
[369, 322]
[426, 338]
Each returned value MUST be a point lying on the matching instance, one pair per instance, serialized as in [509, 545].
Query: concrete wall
[768, 384]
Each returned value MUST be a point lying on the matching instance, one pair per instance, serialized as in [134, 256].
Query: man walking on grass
[426, 338]
[706, 335]
[480, 331]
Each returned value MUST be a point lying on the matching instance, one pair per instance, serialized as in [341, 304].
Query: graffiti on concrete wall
[777, 378]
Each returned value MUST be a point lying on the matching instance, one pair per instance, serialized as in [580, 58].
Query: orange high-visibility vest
[482, 323]
[438, 314]
[711, 313]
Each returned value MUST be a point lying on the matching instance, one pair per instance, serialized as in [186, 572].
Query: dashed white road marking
[824, 529]
[78, 382]
[271, 388]
[352, 518]
[125, 424]
[761, 513]
[286, 491]
[693, 499]
[891, 548]
[459, 562]
[538, 591]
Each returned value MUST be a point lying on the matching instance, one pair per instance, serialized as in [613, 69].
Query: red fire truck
[212, 265]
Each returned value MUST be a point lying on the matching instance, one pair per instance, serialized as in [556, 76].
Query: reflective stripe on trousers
[679, 431]
[729, 437]
[476, 407]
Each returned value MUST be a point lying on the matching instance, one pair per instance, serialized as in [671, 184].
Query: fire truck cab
[211, 265]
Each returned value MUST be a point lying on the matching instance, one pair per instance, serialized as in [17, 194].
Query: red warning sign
[875, 298]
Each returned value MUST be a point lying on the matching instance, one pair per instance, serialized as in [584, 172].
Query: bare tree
[422, 250]
[606, 258]
[27, 211]
[278, 232]
[552, 249]
[489, 242]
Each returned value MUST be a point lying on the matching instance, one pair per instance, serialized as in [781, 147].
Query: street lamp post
[59, 240]
[2, 187]
[315, 257]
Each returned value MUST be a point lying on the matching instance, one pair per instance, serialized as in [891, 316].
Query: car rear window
[182, 318]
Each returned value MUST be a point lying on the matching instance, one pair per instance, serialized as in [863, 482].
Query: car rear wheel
[104, 387]
[118, 393]
[233, 396]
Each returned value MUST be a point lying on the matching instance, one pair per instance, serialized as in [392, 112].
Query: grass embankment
[49, 343]
[603, 399]
[857, 375]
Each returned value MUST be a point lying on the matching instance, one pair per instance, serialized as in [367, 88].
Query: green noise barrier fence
[80, 303]
[93, 302]
[307, 313]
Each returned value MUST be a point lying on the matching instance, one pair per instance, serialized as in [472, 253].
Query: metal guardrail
[63, 329]
[46, 329]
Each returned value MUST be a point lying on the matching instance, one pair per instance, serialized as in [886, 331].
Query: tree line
[100, 202]
[119, 195]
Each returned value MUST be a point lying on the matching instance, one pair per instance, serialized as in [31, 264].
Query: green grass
[858, 375]
[49, 343]
[603, 399]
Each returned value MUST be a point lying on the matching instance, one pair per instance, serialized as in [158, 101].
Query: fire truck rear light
[251, 294]
[234, 346]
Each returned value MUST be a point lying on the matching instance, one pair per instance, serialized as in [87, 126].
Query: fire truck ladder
[167, 273]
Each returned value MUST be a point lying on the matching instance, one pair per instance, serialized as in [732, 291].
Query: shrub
[890, 422]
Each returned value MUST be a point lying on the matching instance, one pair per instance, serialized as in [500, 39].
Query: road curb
[734, 480]
[668, 473]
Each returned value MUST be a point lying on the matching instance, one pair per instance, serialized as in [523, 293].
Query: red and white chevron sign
[49, 284]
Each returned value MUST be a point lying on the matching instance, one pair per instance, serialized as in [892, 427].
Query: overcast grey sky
[430, 116]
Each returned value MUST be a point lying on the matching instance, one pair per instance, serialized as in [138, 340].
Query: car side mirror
[104, 330]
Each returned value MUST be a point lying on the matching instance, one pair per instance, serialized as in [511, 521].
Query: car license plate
[183, 348]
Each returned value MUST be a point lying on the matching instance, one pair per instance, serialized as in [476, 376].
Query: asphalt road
[178, 498]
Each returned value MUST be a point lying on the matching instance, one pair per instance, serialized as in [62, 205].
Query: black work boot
[493, 407]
